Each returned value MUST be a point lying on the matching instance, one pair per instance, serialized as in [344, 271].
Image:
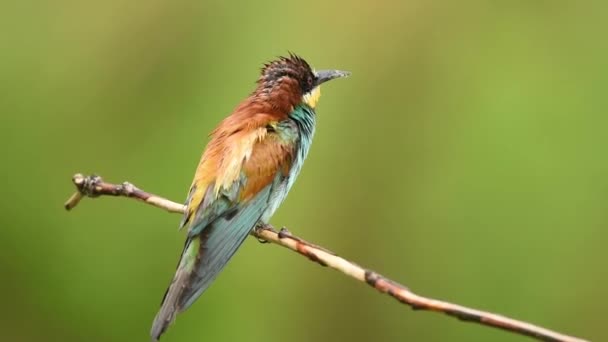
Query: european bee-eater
[246, 171]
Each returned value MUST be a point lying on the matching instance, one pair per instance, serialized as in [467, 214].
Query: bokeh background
[465, 157]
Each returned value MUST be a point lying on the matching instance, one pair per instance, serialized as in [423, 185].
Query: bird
[249, 165]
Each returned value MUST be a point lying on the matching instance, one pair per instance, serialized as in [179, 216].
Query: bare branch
[94, 186]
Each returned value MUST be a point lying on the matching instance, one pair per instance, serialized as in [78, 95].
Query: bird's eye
[309, 81]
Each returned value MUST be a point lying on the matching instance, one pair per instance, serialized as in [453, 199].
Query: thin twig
[94, 186]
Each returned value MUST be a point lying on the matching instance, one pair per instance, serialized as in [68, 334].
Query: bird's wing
[218, 180]
[222, 213]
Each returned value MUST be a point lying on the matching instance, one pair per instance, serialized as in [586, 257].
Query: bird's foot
[258, 227]
[260, 240]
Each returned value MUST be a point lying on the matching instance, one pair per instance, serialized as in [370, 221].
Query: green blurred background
[465, 157]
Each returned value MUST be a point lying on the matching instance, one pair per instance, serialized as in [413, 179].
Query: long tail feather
[170, 304]
[204, 256]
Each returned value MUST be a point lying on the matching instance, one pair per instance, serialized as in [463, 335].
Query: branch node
[88, 186]
[284, 233]
[85, 186]
[371, 278]
[127, 189]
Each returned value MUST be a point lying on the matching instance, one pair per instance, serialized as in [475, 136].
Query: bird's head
[293, 76]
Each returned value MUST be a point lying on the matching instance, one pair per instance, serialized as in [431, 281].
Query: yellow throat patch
[311, 98]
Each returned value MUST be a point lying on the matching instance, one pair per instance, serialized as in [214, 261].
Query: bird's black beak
[328, 75]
